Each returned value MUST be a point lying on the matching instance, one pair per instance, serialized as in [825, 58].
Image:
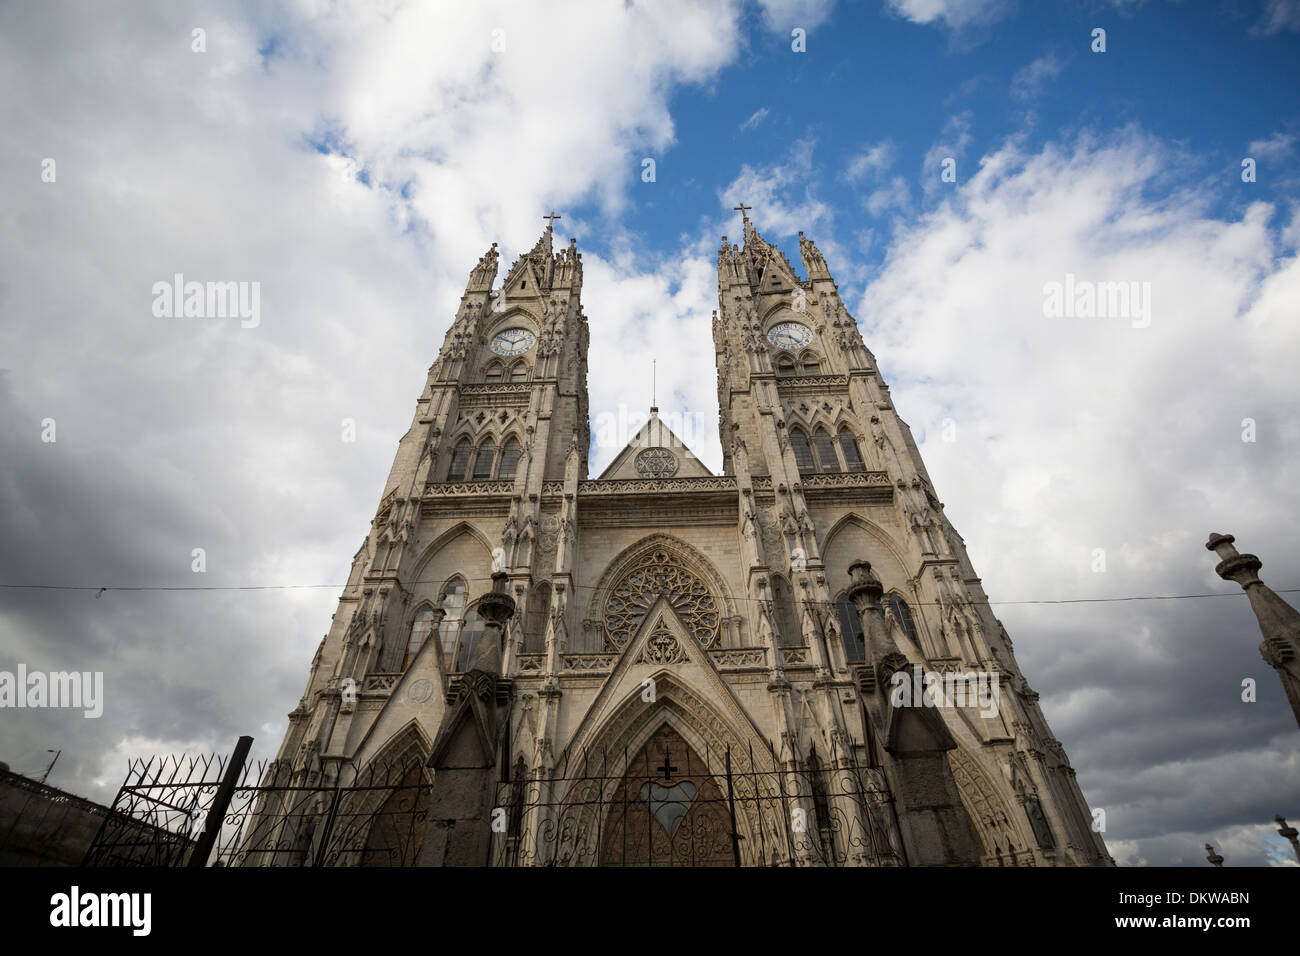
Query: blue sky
[1191, 73]
[357, 160]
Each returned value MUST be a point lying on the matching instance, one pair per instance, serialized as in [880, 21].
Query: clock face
[513, 342]
[789, 335]
[656, 463]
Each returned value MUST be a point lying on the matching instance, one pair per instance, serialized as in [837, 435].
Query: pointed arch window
[539, 603]
[483, 461]
[519, 372]
[855, 643]
[459, 461]
[830, 462]
[787, 622]
[509, 458]
[420, 629]
[785, 365]
[811, 364]
[849, 445]
[802, 452]
[903, 614]
[494, 373]
[452, 601]
[469, 638]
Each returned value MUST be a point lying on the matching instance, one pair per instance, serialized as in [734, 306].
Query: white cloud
[1279, 16]
[782, 16]
[896, 195]
[872, 161]
[782, 194]
[1029, 80]
[755, 118]
[954, 14]
[951, 144]
[1275, 147]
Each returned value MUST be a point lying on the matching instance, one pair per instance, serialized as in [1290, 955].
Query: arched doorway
[668, 810]
[397, 831]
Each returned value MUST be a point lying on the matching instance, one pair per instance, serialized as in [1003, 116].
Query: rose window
[660, 573]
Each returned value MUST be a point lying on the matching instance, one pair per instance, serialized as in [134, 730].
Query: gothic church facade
[698, 668]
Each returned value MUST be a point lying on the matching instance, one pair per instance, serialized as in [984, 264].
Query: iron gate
[621, 812]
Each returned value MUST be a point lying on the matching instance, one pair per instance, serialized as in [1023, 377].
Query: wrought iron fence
[616, 812]
[610, 811]
[370, 817]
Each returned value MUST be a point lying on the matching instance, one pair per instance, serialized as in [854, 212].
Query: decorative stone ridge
[382, 683]
[820, 382]
[589, 662]
[853, 479]
[739, 657]
[623, 486]
[451, 489]
[496, 388]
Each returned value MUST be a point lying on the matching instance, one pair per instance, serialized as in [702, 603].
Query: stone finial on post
[1234, 566]
[1289, 833]
[1279, 622]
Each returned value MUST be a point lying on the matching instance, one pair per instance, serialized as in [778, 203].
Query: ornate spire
[813, 262]
[484, 274]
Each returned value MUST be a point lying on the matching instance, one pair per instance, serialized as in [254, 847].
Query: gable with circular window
[656, 463]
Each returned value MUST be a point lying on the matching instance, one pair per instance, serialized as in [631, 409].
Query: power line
[589, 587]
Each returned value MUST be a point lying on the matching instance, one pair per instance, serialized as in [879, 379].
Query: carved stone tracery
[660, 572]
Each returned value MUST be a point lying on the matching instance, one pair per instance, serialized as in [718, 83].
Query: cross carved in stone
[667, 768]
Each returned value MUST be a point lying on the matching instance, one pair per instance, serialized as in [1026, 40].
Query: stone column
[935, 827]
[467, 749]
[1279, 622]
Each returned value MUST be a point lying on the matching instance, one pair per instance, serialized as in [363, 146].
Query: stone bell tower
[830, 477]
[503, 409]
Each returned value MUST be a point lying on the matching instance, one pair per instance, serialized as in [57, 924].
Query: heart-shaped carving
[669, 804]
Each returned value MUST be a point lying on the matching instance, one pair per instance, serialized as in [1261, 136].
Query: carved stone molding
[502, 388]
[662, 647]
[623, 486]
[588, 662]
[852, 479]
[381, 683]
[739, 657]
[817, 382]
[448, 489]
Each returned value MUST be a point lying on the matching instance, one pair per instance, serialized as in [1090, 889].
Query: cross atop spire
[742, 209]
[552, 217]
